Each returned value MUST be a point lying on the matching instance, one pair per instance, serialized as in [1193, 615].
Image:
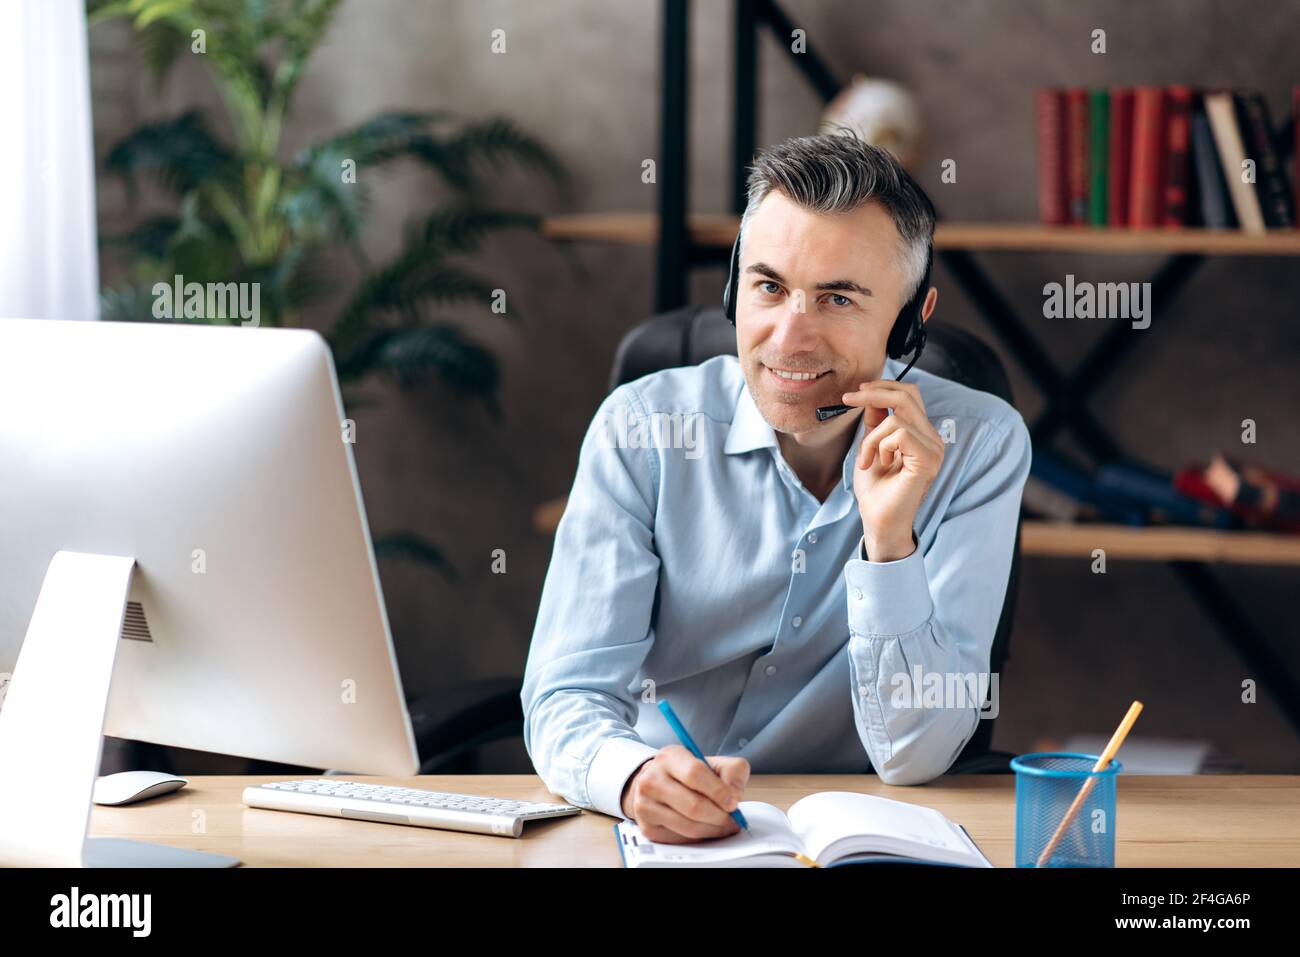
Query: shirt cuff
[888, 598]
[613, 764]
[862, 546]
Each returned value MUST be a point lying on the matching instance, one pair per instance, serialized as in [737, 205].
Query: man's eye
[844, 300]
[771, 292]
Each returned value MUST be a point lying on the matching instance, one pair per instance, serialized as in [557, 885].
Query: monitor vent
[134, 624]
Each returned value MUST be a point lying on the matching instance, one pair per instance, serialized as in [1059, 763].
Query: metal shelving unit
[683, 242]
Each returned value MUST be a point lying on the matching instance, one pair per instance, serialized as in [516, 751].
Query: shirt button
[862, 689]
[770, 670]
[796, 621]
[743, 741]
[812, 538]
[857, 593]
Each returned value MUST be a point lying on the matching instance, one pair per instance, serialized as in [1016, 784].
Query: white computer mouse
[127, 787]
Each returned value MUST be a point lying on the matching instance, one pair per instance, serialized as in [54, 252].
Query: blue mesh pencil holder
[1047, 784]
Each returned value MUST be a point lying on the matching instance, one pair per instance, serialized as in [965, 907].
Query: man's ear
[930, 299]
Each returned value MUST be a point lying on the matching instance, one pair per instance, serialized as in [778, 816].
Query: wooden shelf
[638, 229]
[1158, 543]
[1124, 542]
[1029, 237]
[719, 230]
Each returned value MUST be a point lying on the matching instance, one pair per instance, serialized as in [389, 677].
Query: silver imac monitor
[216, 459]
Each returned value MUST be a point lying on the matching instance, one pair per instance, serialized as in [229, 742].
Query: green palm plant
[246, 213]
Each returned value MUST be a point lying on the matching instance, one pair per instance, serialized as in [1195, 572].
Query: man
[777, 578]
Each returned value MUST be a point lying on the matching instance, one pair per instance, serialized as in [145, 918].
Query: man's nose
[794, 331]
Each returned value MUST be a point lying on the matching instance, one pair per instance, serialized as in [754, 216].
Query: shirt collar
[750, 431]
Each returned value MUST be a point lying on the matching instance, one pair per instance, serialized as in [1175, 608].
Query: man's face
[817, 297]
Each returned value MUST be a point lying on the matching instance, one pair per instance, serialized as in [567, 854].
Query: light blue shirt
[691, 564]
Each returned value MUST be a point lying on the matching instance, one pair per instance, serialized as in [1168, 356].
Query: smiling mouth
[792, 375]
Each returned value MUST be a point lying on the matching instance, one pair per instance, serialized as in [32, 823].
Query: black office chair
[449, 724]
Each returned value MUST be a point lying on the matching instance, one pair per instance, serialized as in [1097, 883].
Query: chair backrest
[692, 334]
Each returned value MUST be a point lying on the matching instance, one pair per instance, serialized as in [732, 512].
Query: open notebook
[832, 827]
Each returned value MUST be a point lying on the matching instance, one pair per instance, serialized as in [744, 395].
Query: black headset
[908, 334]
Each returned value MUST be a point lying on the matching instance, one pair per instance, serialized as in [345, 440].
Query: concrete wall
[584, 75]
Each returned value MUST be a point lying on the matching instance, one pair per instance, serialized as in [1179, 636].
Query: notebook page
[769, 833]
[821, 819]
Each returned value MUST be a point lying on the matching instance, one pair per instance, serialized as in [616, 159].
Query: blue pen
[680, 730]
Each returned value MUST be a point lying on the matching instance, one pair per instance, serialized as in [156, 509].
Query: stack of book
[1258, 497]
[1153, 156]
[1225, 494]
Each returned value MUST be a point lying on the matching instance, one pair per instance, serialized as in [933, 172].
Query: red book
[1076, 156]
[1191, 482]
[1049, 121]
[1120, 156]
[1178, 169]
[1144, 206]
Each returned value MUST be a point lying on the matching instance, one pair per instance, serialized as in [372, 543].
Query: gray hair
[838, 173]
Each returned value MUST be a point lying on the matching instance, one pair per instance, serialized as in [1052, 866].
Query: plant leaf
[461, 228]
[126, 304]
[411, 547]
[317, 202]
[495, 140]
[380, 139]
[416, 276]
[180, 153]
[411, 354]
[150, 238]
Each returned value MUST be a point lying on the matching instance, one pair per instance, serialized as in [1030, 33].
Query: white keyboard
[393, 805]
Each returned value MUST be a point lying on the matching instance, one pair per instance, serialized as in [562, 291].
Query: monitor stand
[52, 724]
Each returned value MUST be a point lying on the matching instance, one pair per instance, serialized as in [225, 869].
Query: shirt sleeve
[921, 628]
[593, 628]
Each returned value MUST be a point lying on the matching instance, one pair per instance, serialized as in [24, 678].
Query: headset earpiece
[729, 292]
[910, 326]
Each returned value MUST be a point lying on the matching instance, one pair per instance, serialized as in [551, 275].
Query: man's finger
[885, 396]
[896, 446]
[907, 388]
[909, 415]
[689, 803]
[891, 448]
[867, 453]
[662, 815]
[903, 438]
[669, 787]
[735, 771]
[698, 776]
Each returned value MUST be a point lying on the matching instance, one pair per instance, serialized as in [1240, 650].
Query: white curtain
[48, 263]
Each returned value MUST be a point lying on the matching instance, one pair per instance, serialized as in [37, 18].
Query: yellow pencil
[1116, 740]
[804, 858]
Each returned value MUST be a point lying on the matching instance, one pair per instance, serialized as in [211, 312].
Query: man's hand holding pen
[676, 799]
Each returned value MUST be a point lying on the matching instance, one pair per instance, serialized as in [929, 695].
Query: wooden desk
[1205, 821]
